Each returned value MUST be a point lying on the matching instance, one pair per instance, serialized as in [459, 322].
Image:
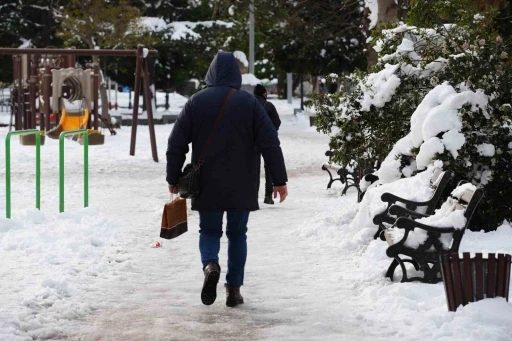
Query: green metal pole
[8, 175]
[86, 169]
[38, 170]
[85, 137]
[8, 167]
[61, 172]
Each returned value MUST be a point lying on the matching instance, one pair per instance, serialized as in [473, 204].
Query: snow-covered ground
[92, 274]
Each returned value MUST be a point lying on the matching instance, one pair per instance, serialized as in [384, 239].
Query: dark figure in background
[261, 95]
[230, 173]
[333, 87]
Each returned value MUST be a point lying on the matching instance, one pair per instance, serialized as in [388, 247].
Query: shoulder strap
[265, 105]
[215, 126]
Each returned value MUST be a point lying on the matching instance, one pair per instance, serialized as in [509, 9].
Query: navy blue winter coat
[231, 169]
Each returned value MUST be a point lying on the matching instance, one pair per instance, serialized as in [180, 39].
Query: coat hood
[224, 71]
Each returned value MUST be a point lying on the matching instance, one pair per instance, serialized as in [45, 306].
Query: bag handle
[215, 126]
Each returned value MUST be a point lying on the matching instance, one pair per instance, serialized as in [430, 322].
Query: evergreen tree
[28, 23]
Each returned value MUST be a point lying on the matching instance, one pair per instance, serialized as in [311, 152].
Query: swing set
[68, 95]
[73, 104]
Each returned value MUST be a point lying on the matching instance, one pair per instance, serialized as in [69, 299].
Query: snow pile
[486, 149]
[250, 79]
[450, 215]
[436, 115]
[412, 311]
[416, 188]
[61, 258]
[418, 311]
[241, 57]
[379, 88]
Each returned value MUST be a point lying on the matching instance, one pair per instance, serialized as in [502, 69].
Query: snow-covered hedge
[436, 94]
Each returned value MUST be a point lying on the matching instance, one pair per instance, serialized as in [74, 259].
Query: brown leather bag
[174, 219]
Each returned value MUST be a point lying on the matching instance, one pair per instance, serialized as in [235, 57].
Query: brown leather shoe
[211, 278]
[233, 296]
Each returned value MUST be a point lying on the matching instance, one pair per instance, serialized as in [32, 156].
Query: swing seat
[30, 140]
[96, 138]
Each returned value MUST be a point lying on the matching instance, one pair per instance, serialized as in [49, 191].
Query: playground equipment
[55, 72]
[80, 132]
[79, 90]
[37, 135]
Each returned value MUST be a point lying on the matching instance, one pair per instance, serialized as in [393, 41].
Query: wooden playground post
[32, 91]
[21, 95]
[149, 109]
[47, 79]
[95, 89]
[15, 95]
[136, 92]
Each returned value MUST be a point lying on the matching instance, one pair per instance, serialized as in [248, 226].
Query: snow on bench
[425, 239]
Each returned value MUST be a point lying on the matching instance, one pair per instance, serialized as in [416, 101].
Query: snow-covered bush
[445, 94]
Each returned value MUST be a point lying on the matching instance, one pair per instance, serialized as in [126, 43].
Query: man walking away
[229, 172]
[260, 92]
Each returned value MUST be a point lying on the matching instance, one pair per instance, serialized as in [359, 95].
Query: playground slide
[68, 122]
[74, 121]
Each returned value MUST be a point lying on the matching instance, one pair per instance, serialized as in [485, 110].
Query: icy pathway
[95, 277]
[294, 289]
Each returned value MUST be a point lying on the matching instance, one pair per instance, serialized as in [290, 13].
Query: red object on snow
[157, 244]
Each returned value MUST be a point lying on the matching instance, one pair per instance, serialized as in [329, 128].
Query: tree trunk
[388, 11]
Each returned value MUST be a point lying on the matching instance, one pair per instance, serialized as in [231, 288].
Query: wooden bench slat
[491, 275]
[479, 277]
[457, 281]
[446, 272]
[468, 281]
[501, 278]
[508, 260]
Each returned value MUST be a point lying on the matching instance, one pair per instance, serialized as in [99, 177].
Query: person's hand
[173, 189]
[283, 192]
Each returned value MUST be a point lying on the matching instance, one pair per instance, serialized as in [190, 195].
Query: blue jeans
[210, 223]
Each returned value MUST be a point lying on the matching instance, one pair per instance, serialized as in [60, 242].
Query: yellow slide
[73, 122]
[69, 122]
[76, 121]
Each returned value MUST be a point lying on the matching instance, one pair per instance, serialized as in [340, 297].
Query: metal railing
[37, 133]
[61, 165]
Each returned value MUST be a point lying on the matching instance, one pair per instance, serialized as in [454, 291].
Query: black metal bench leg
[377, 234]
[331, 181]
[380, 233]
[404, 271]
[391, 269]
[413, 262]
[347, 186]
[430, 274]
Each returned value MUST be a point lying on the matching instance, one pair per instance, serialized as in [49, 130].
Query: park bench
[438, 183]
[438, 240]
[346, 177]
